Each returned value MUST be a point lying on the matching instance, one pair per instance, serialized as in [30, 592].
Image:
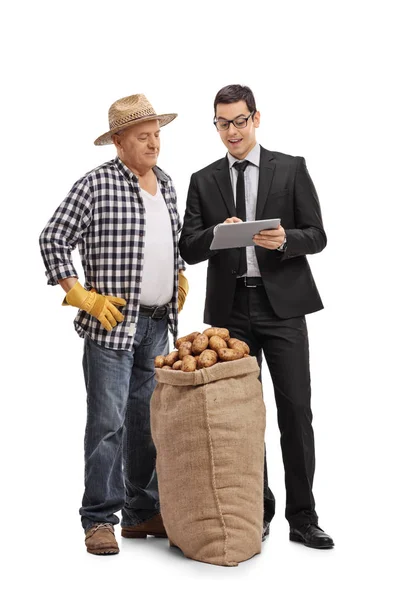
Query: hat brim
[105, 139]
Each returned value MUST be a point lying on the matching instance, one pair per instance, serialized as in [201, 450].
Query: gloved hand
[101, 307]
[183, 288]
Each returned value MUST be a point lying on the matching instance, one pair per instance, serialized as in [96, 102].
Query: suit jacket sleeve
[194, 244]
[309, 236]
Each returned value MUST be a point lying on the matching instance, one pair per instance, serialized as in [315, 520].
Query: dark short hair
[235, 93]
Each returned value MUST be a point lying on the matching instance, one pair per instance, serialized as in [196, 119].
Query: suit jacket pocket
[278, 194]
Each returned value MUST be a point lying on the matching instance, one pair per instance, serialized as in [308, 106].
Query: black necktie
[241, 209]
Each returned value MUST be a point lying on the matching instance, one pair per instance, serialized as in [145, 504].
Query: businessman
[262, 293]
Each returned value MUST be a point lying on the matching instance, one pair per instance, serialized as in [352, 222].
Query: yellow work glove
[101, 307]
[183, 288]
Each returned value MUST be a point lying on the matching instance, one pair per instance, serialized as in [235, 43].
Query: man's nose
[152, 141]
[231, 128]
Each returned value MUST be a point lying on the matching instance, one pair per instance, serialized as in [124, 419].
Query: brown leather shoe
[154, 526]
[100, 539]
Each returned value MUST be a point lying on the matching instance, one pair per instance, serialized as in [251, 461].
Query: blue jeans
[119, 452]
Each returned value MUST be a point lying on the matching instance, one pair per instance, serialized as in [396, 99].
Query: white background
[324, 75]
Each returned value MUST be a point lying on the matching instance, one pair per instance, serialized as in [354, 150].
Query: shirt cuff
[282, 247]
[60, 272]
[181, 265]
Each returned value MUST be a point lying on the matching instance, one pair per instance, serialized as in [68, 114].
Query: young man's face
[138, 146]
[238, 141]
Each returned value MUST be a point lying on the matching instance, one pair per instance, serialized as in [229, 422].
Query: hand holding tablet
[240, 234]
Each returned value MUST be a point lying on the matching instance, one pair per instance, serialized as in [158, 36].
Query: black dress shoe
[312, 536]
[265, 530]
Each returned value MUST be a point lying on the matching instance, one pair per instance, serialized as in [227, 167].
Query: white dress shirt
[251, 177]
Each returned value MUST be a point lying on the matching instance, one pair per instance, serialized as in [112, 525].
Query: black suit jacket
[285, 190]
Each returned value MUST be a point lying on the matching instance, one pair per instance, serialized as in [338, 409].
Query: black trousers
[284, 343]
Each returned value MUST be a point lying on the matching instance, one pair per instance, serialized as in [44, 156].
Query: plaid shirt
[104, 215]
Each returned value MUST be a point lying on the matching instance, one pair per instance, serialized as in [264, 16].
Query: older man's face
[138, 146]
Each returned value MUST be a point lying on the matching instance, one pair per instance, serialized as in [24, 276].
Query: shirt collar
[253, 157]
[127, 173]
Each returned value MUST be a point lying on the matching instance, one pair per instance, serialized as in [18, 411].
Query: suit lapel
[267, 169]
[223, 179]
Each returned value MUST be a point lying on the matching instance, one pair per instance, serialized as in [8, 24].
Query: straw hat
[129, 111]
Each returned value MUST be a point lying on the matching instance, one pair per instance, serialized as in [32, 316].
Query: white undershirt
[158, 264]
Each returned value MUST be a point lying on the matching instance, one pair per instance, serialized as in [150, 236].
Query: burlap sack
[208, 428]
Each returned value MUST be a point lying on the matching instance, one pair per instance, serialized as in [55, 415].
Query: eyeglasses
[239, 122]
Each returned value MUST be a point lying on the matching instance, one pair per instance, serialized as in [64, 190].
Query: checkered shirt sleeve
[63, 232]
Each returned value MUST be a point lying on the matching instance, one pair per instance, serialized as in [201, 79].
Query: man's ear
[116, 141]
[257, 119]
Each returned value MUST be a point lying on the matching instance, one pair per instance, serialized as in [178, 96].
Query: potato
[220, 331]
[188, 363]
[159, 361]
[235, 343]
[184, 349]
[226, 354]
[177, 365]
[216, 342]
[171, 358]
[197, 357]
[199, 344]
[167, 367]
[187, 338]
[208, 358]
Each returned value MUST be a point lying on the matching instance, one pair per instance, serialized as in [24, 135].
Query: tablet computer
[237, 235]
